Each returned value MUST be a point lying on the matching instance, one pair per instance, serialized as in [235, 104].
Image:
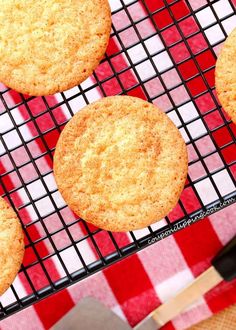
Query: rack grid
[163, 51]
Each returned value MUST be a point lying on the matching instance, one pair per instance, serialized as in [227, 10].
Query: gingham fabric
[138, 284]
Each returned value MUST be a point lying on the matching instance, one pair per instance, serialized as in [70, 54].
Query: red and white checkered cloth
[135, 286]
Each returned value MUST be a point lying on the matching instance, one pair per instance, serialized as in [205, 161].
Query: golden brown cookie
[226, 76]
[11, 246]
[49, 46]
[121, 164]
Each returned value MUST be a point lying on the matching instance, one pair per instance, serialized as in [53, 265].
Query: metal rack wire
[163, 51]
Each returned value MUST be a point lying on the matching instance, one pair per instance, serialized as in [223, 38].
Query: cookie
[226, 76]
[121, 164]
[11, 246]
[49, 46]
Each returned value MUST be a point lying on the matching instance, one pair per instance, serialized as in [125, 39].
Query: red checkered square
[163, 19]
[35, 273]
[154, 87]
[5, 164]
[154, 5]
[233, 128]
[24, 114]
[196, 171]
[104, 243]
[206, 59]
[61, 240]
[213, 162]
[192, 155]
[229, 153]
[36, 231]
[137, 92]
[44, 164]
[180, 10]
[222, 136]
[171, 35]
[210, 78]
[197, 4]
[188, 26]
[60, 117]
[179, 52]
[146, 28]
[163, 102]
[196, 86]
[19, 198]
[119, 63]
[213, 120]
[197, 43]
[104, 71]
[45, 122]
[120, 20]
[49, 264]
[51, 138]
[44, 248]
[128, 79]
[28, 173]
[129, 36]
[136, 11]
[113, 46]
[171, 78]
[190, 200]
[205, 103]
[179, 95]
[12, 99]
[112, 87]
[188, 69]
[176, 214]
[233, 170]
[11, 181]
[205, 145]
[20, 156]
[29, 256]
[36, 106]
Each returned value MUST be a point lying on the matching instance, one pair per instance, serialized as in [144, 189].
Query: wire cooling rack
[162, 51]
